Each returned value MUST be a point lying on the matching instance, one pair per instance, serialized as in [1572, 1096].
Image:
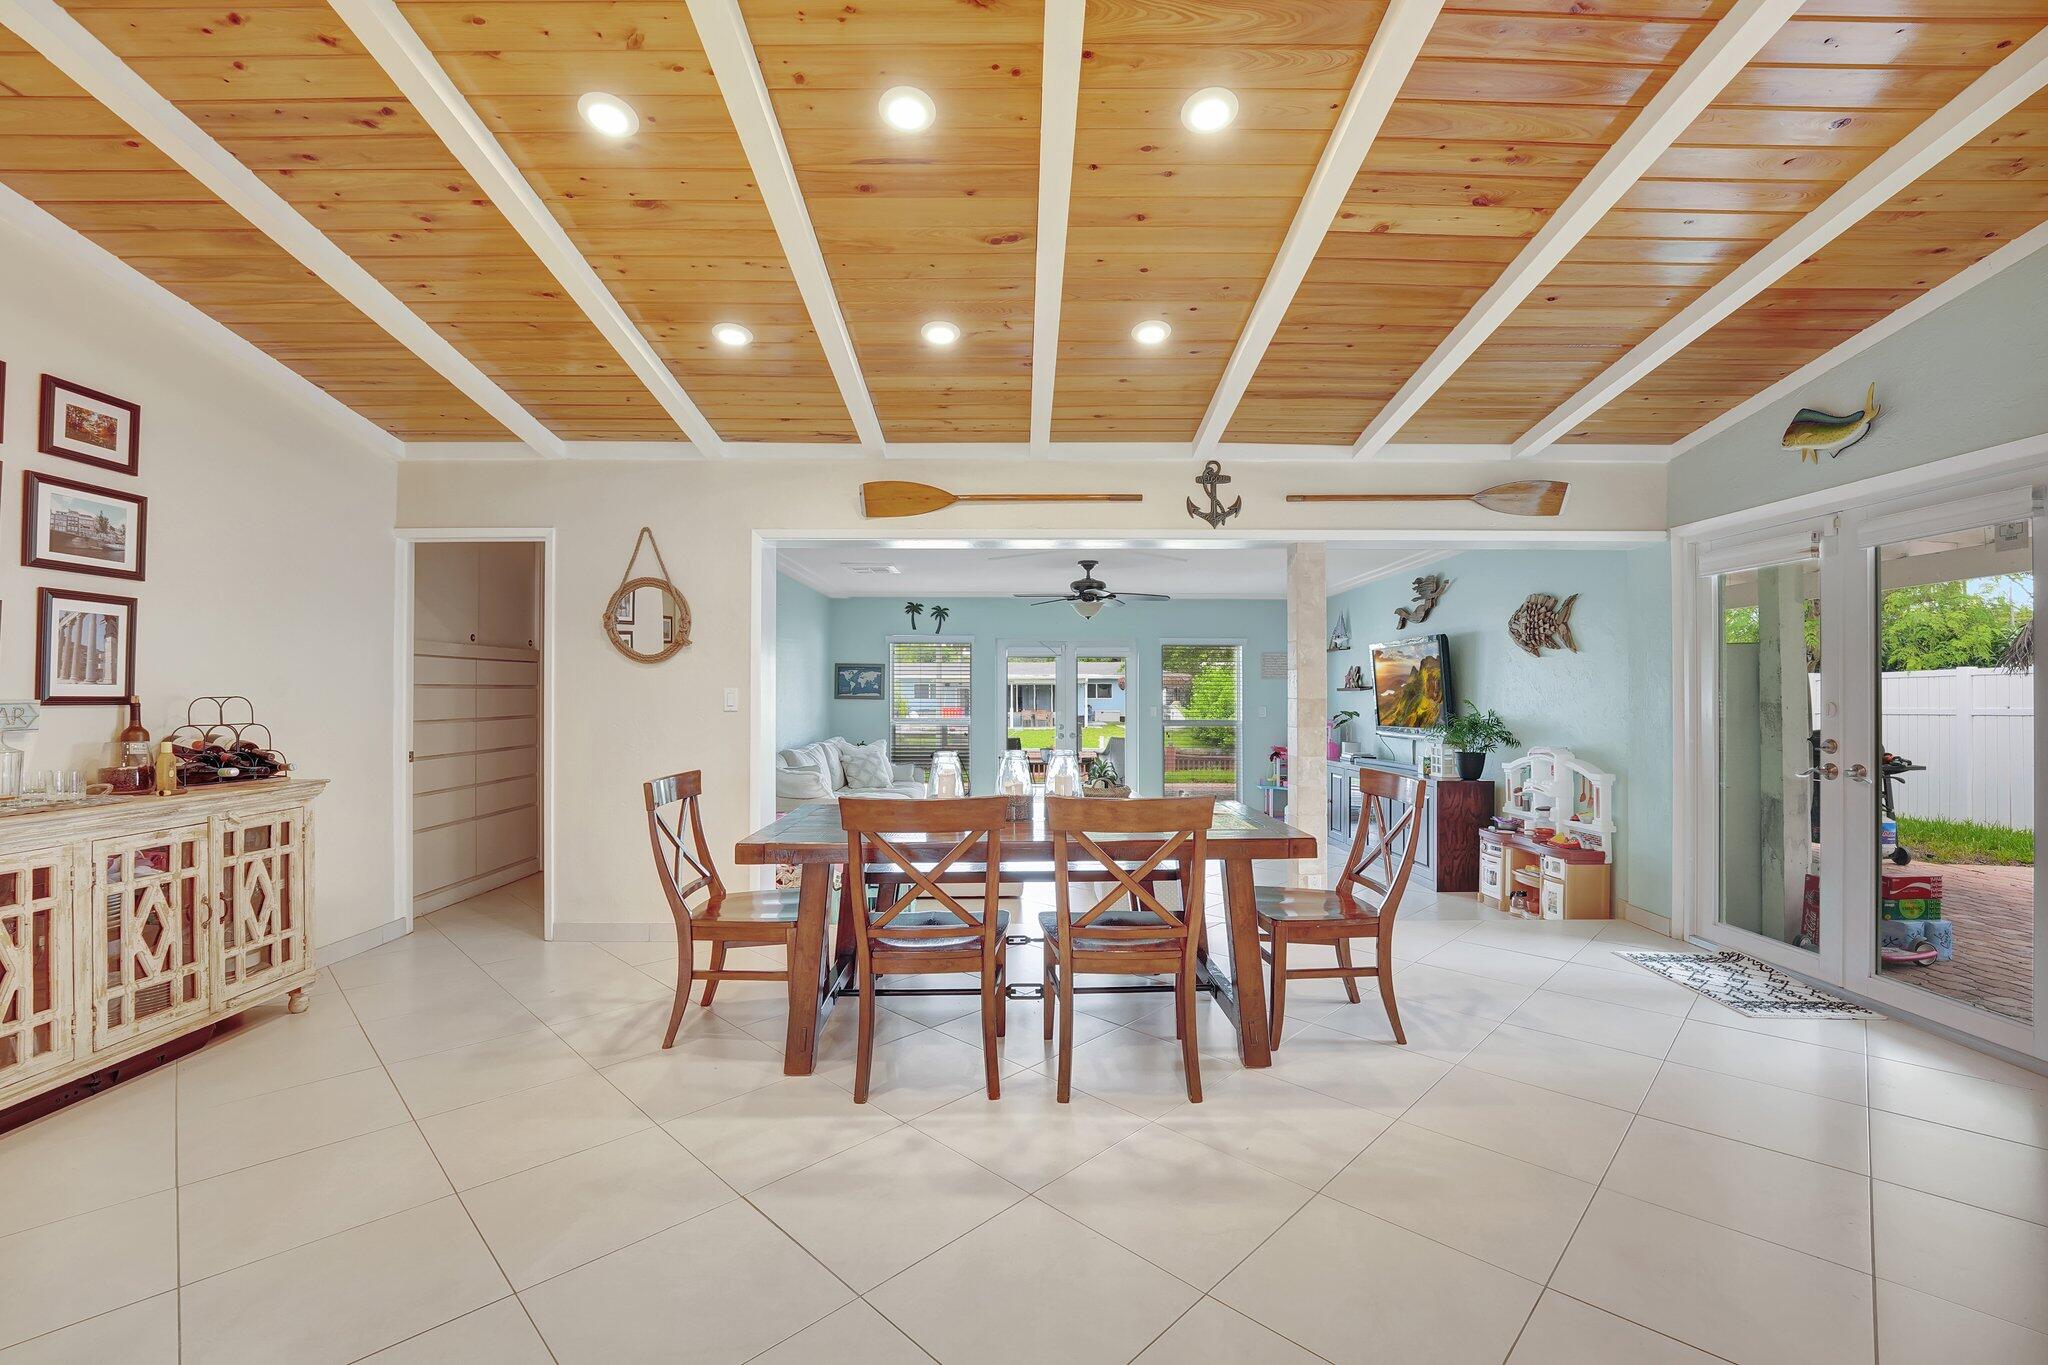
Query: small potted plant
[1100, 778]
[1336, 726]
[1472, 734]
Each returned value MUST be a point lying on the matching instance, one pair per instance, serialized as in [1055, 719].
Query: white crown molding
[1059, 112]
[35, 223]
[737, 68]
[1719, 59]
[1983, 102]
[394, 45]
[804, 575]
[72, 49]
[1407, 564]
[1948, 291]
[1397, 42]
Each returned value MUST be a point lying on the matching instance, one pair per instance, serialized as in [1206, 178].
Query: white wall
[269, 558]
[620, 722]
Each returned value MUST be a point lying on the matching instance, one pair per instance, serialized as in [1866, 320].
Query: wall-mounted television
[1411, 683]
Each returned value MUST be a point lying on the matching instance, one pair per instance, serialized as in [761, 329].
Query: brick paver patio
[1992, 908]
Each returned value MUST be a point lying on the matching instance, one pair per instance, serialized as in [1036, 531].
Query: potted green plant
[1472, 734]
[1337, 724]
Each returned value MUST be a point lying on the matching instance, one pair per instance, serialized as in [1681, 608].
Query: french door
[1863, 697]
[1066, 694]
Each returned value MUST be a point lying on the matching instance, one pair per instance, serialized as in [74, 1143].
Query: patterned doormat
[1748, 986]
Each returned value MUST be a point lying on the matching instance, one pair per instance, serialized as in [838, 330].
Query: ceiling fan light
[1088, 606]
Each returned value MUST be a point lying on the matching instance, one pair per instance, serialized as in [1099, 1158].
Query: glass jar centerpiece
[1062, 774]
[1013, 781]
[947, 781]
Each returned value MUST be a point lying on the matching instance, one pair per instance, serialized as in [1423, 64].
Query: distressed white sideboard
[127, 924]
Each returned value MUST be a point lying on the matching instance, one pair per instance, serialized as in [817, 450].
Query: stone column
[1308, 704]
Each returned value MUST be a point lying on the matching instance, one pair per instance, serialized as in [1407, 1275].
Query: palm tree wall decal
[913, 610]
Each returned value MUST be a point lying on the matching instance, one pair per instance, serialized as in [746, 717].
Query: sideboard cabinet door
[259, 881]
[150, 968]
[35, 965]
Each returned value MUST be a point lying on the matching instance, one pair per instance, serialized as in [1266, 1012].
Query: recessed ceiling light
[731, 334]
[1151, 333]
[940, 333]
[907, 109]
[1209, 111]
[608, 114]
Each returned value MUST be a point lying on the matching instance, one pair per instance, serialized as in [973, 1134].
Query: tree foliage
[1947, 625]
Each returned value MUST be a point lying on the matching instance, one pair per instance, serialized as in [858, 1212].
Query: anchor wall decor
[1215, 513]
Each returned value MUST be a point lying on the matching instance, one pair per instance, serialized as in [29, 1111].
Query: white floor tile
[1557, 940]
[915, 1074]
[257, 1211]
[1825, 1071]
[855, 1335]
[228, 1137]
[1898, 1041]
[1303, 1135]
[695, 1074]
[345, 1296]
[1789, 1121]
[1563, 1331]
[1210, 1334]
[1504, 1211]
[1085, 1299]
[415, 1033]
[2016, 1113]
[61, 1273]
[496, 1334]
[1183, 1206]
[1355, 1289]
[468, 989]
[1846, 1034]
[1475, 959]
[1382, 1077]
[1028, 1138]
[1563, 1133]
[485, 1142]
[1439, 988]
[1590, 1071]
[1625, 984]
[1821, 1210]
[916, 1195]
[637, 1030]
[1596, 1021]
[274, 1056]
[1137, 1071]
[1959, 1252]
[418, 957]
[722, 1287]
[144, 1333]
[1955, 1163]
[1730, 1294]
[1432, 1032]
[554, 1217]
[109, 1149]
[1919, 1329]
[757, 1138]
[461, 1076]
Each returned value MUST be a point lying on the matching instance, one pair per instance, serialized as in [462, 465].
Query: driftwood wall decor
[1428, 590]
[1542, 622]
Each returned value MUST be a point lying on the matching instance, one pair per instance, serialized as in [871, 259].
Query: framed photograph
[622, 610]
[85, 648]
[80, 528]
[86, 425]
[857, 682]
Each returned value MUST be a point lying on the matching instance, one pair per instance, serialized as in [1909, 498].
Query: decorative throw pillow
[824, 756]
[867, 766]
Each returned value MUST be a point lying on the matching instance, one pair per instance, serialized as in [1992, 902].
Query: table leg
[1247, 971]
[800, 1046]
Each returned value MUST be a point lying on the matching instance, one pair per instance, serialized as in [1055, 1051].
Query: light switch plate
[732, 699]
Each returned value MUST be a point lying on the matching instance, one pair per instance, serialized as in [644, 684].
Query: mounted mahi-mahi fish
[1814, 431]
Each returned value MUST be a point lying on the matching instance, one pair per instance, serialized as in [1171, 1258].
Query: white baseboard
[1646, 919]
[461, 891]
[342, 949]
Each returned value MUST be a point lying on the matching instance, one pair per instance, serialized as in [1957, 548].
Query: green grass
[1092, 737]
[1959, 841]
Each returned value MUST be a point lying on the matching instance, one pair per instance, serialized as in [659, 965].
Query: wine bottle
[133, 742]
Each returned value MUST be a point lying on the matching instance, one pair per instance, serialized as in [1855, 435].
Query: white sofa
[816, 772]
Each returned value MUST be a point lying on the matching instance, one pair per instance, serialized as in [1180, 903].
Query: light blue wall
[859, 629]
[803, 675]
[1610, 703]
[1967, 376]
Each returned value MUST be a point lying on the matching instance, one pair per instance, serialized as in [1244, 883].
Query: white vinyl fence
[1973, 730]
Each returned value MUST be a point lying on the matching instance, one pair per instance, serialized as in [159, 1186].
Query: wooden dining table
[812, 838]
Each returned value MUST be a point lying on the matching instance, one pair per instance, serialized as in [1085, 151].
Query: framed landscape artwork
[857, 682]
[86, 425]
[85, 648]
[80, 528]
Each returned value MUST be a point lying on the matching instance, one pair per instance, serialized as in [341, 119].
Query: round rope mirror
[647, 618]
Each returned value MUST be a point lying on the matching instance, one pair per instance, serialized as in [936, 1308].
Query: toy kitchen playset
[1550, 852]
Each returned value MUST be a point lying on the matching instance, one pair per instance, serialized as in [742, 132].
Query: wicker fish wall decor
[1813, 431]
[1542, 622]
[1428, 589]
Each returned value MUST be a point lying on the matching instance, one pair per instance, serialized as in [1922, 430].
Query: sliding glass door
[1865, 735]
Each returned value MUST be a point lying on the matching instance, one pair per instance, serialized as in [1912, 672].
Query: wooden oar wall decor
[1530, 498]
[895, 498]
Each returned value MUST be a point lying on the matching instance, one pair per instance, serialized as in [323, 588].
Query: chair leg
[1386, 980]
[1279, 1011]
[711, 973]
[684, 970]
[1066, 1080]
[990, 1061]
[1344, 961]
[864, 1050]
[1002, 991]
[1190, 1055]
[1045, 994]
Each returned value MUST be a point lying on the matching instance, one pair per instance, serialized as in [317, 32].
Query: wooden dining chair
[722, 917]
[1147, 937]
[1362, 904]
[955, 934]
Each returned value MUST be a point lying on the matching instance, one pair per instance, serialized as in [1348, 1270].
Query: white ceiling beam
[1059, 112]
[1399, 39]
[396, 47]
[1732, 44]
[1983, 102]
[68, 46]
[737, 68]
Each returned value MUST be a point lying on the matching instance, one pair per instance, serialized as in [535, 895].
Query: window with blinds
[1200, 687]
[930, 700]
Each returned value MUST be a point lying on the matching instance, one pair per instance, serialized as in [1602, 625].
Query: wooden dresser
[130, 922]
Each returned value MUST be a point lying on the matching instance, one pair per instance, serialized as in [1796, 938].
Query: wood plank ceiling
[1511, 103]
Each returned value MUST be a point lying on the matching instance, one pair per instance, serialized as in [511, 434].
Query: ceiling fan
[1090, 592]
